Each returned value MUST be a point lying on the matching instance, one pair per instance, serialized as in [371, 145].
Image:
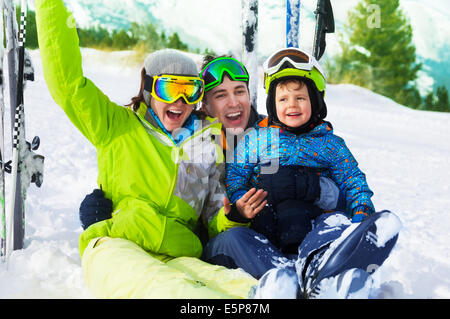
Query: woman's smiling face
[172, 115]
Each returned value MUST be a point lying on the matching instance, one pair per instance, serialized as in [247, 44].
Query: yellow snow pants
[118, 268]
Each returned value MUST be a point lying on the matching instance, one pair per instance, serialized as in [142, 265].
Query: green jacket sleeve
[85, 105]
[220, 223]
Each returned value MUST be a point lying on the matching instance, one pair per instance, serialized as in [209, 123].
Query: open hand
[251, 203]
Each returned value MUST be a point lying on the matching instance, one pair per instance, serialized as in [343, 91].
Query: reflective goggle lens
[213, 72]
[170, 88]
[293, 55]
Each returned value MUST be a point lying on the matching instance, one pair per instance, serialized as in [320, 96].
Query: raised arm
[86, 106]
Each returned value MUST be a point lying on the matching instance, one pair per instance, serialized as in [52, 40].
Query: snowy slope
[405, 154]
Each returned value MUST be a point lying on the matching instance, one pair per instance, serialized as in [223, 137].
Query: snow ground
[404, 153]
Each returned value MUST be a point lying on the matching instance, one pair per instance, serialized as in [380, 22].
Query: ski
[250, 45]
[15, 216]
[324, 25]
[26, 166]
[2, 144]
[292, 23]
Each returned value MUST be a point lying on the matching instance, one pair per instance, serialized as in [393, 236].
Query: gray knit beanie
[168, 61]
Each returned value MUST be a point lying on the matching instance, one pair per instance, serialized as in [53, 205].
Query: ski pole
[324, 24]
[2, 141]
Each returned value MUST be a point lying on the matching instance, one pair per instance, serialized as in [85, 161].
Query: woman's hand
[250, 204]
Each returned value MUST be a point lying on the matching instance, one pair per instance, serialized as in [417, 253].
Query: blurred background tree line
[377, 51]
[146, 36]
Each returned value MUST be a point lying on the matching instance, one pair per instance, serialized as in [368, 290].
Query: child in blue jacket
[292, 141]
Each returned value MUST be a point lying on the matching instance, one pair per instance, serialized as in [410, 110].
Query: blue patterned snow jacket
[262, 146]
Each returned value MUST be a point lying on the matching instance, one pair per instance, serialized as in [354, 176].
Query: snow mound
[404, 153]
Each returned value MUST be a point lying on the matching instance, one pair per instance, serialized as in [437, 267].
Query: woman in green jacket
[157, 162]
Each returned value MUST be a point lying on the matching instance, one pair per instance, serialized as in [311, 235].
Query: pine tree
[148, 35]
[437, 101]
[122, 40]
[442, 102]
[163, 39]
[379, 53]
[429, 101]
[175, 42]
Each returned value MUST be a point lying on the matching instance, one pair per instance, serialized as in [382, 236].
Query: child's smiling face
[293, 104]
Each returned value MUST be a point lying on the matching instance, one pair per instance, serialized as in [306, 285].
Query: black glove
[294, 223]
[235, 216]
[291, 182]
[94, 208]
[265, 223]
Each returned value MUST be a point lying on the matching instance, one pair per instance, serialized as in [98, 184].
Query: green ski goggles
[213, 72]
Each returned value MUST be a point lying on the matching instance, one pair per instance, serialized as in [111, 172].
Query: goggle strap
[296, 72]
[148, 83]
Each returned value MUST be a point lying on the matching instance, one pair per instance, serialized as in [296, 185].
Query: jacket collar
[322, 128]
